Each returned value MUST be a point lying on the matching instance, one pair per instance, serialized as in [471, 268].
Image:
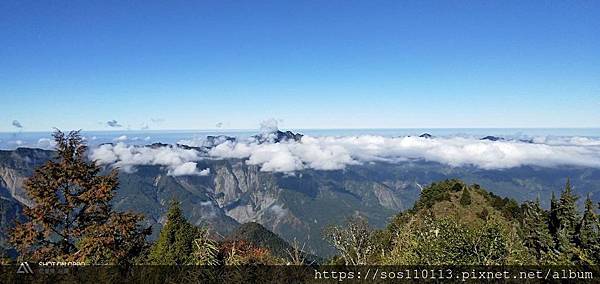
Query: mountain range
[295, 205]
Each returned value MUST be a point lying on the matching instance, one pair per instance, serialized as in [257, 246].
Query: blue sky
[310, 64]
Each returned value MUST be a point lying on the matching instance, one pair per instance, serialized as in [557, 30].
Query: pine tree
[567, 215]
[536, 236]
[72, 219]
[553, 222]
[587, 232]
[465, 197]
[175, 244]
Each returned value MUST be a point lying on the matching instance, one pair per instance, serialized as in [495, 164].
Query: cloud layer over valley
[177, 161]
[335, 153]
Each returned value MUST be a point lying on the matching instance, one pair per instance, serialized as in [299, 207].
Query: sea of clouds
[178, 161]
[336, 153]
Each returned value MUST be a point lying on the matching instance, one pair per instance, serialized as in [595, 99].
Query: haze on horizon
[339, 64]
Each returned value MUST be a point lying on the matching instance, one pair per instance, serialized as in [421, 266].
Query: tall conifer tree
[536, 235]
[567, 215]
[553, 222]
[588, 231]
[175, 244]
[72, 218]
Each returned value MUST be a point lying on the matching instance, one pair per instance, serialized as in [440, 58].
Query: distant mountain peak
[278, 136]
[158, 145]
[492, 138]
[218, 139]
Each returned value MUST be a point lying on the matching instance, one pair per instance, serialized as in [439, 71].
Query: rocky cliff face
[13, 182]
[243, 191]
[301, 205]
[15, 166]
[293, 206]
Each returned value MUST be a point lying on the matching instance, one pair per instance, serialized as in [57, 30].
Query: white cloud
[17, 124]
[331, 153]
[113, 123]
[185, 169]
[567, 141]
[17, 142]
[269, 125]
[204, 172]
[334, 153]
[193, 142]
[278, 210]
[203, 141]
[46, 143]
[178, 161]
